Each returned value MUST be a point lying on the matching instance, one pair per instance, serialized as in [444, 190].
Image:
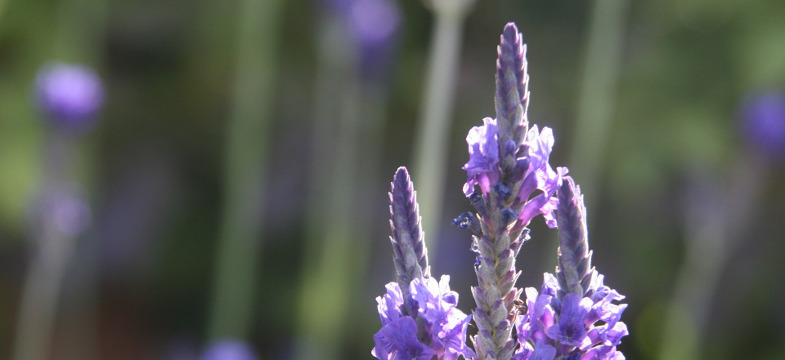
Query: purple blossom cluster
[587, 327]
[531, 170]
[509, 183]
[443, 326]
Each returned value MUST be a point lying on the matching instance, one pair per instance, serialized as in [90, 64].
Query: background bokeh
[139, 284]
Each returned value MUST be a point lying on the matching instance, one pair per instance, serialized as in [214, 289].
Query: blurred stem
[711, 232]
[81, 24]
[430, 151]
[2, 8]
[52, 251]
[598, 93]
[332, 252]
[247, 146]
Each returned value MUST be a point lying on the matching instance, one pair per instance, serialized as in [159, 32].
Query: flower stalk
[509, 183]
[420, 318]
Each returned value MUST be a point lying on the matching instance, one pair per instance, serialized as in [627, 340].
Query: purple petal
[402, 334]
[483, 157]
[571, 329]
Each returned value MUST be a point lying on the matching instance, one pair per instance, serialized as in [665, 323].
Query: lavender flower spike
[512, 86]
[410, 255]
[420, 318]
[509, 182]
[574, 271]
[574, 314]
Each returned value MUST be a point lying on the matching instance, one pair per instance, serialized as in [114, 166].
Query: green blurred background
[139, 285]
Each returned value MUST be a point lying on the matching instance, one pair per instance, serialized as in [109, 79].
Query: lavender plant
[420, 318]
[509, 183]
[575, 315]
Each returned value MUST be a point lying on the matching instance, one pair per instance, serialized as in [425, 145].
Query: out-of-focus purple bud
[374, 25]
[63, 211]
[763, 123]
[68, 95]
[229, 349]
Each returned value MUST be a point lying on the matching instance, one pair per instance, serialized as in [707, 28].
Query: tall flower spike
[512, 86]
[508, 163]
[410, 255]
[574, 314]
[420, 318]
[574, 270]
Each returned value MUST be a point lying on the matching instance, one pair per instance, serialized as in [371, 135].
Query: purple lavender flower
[508, 162]
[575, 313]
[438, 329]
[229, 349]
[398, 339]
[763, 123]
[570, 330]
[540, 176]
[69, 95]
[509, 182]
[420, 318]
[410, 256]
[481, 169]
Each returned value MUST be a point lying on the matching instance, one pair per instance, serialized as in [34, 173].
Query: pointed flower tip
[402, 173]
[510, 30]
[402, 183]
[570, 191]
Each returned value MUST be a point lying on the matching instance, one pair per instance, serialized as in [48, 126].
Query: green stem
[53, 251]
[710, 241]
[247, 143]
[430, 151]
[598, 94]
[333, 253]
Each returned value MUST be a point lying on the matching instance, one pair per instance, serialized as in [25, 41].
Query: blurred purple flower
[69, 95]
[64, 211]
[763, 123]
[374, 25]
[443, 332]
[229, 349]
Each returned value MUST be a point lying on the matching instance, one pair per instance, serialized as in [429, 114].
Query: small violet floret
[482, 169]
[540, 176]
[444, 334]
[570, 329]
